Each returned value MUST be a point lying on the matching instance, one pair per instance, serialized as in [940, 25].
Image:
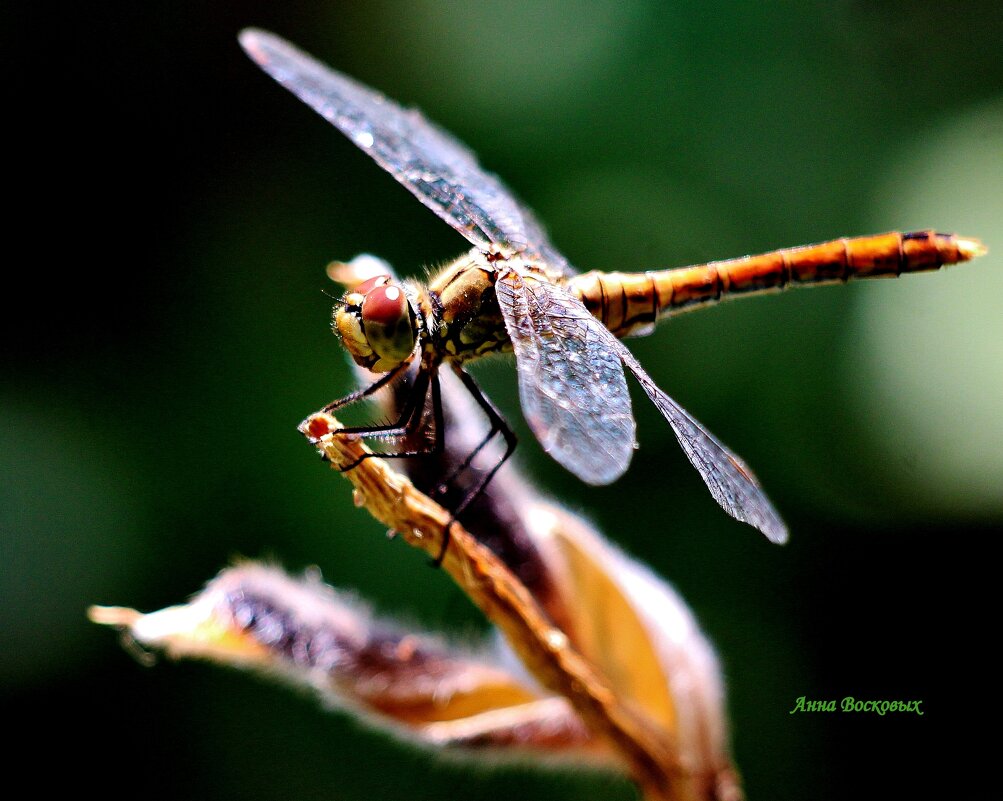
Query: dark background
[171, 331]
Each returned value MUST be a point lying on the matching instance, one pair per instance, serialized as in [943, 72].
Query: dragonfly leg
[497, 426]
[409, 421]
[365, 392]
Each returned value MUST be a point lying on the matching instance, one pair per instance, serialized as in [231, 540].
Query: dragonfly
[515, 292]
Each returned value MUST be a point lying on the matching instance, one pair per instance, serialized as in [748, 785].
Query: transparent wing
[729, 480]
[571, 382]
[574, 395]
[440, 171]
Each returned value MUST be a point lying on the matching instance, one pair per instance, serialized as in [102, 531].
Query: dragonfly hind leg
[497, 426]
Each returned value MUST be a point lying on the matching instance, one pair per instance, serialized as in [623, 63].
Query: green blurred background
[176, 332]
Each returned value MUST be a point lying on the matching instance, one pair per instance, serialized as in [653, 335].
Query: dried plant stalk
[544, 649]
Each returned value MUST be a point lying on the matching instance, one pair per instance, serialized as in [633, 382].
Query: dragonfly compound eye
[377, 324]
[388, 324]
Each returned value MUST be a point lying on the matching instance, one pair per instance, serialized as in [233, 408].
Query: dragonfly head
[377, 323]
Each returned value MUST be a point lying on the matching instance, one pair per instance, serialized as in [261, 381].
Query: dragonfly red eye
[388, 324]
[384, 306]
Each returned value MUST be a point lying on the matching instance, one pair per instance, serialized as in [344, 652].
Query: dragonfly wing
[729, 480]
[440, 171]
[574, 395]
[571, 383]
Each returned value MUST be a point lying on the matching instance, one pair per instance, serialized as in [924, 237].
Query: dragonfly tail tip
[970, 248]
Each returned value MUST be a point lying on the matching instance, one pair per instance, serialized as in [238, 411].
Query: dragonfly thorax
[462, 310]
[378, 324]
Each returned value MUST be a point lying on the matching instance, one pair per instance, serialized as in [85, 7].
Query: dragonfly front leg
[409, 419]
[408, 423]
[365, 392]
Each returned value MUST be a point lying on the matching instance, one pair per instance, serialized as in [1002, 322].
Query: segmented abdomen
[630, 303]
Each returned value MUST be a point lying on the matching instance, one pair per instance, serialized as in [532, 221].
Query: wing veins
[590, 433]
[730, 481]
[432, 164]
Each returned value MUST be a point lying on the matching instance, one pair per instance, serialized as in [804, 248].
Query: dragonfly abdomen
[630, 303]
[626, 303]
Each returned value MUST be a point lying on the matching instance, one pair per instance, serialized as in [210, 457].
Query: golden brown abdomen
[630, 303]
